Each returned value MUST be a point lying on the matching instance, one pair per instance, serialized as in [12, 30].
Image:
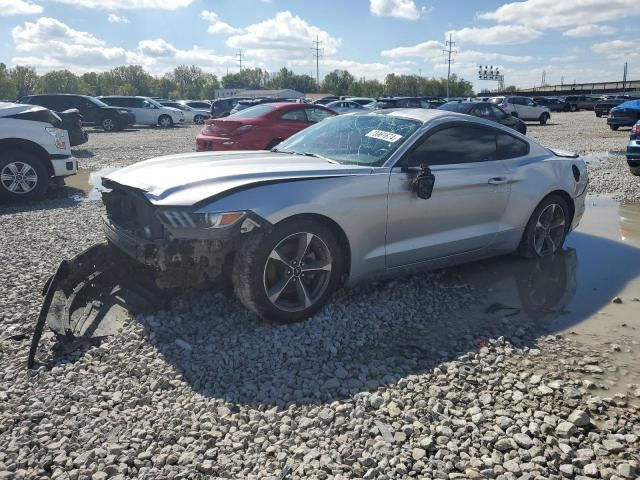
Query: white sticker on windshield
[382, 135]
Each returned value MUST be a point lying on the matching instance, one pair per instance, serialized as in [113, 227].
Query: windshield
[454, 107]
[153, 102]
[96, 101]
[253, 112]
[352, 139]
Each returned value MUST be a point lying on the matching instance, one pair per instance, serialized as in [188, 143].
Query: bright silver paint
[477, 210]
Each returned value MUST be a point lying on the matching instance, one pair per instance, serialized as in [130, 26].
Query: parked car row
[624, 115]
[633, 149]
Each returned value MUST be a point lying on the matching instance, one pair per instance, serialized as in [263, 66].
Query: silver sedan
[350, 198]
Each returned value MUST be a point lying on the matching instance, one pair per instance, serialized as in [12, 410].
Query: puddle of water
[572, 293]
[89, 182]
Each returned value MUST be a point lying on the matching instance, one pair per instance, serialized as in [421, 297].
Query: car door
[468, 202]
[292, 121]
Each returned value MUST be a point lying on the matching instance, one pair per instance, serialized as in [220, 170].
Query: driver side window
[452, 145]
[296, 114]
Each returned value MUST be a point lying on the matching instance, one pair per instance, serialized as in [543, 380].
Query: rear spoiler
[563, 153]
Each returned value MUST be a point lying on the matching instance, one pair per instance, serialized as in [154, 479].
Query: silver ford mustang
[350, 198]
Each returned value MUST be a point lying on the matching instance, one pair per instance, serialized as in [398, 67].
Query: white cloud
[18, 7]
[44, 30]
[217, 26]
[565, 58]
[496, 35]
[128, 4]
[618, 50]
[433, 51]
[405, 9]
[113, 18]
[562, 13]
[377, 70]
[590, 30]
[283, 37]
[428, 50]
[157, 48]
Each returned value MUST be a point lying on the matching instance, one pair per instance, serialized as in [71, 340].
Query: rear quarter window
[44, 116]
[510, 147]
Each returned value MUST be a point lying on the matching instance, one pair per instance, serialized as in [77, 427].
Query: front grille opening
[132, 212]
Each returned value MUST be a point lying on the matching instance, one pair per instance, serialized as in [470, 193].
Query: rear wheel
[574, 108]
[547, 228]
[288, 273]
[598, 114]
[198, 119]
[635, 171]
[544, 118]
[165, 121]
[614, 127]
[22, 176]
[110, 124]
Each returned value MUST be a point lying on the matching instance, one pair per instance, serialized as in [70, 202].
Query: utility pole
[449, 51]
[317, 53]
[624, 77]
[239, 58]
[544, 78]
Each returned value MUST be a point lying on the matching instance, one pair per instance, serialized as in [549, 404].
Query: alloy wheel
[297, 272]
[19, 178]
[165, 122]
[549, 231]
[108, 124]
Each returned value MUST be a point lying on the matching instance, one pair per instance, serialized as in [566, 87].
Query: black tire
[165, 121]
[635, 171]
[566, 108]
[28, 165]
[272, 143]
[598, 114]
[110, 124]
[574, 108]
[614, 127]
[544, 118]
[529, 248]
[252, 269]
[198, 119]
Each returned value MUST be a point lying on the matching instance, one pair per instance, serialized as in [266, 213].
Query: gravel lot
[397, 379]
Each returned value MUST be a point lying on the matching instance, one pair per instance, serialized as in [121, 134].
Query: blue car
[633, 149]
[624, 115]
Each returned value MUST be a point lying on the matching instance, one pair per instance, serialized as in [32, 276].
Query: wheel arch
[7, 144]
[565, 196]
[335, 228]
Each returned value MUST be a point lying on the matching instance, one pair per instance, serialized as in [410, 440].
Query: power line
[239, 58]
[317, 54]
[449, 51]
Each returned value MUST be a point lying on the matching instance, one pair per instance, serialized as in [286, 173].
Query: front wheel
[544, 118]
[288, 273]
[614, 127]
[22, 176]
[109, 124]
[635, 171]
[598, 114]
[547, 228]
[165, 121]
[198, 119]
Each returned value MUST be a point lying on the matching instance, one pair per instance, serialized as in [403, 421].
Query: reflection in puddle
[89, 181]
[572, 292]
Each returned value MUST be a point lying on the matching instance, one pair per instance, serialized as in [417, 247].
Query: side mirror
[423, 183]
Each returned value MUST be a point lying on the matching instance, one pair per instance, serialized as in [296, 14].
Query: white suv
[34, 150]
[147, 110]
[524, 108]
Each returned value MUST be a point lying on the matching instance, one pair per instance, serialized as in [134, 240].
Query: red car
[260, 127]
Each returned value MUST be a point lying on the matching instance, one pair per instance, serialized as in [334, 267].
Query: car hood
[186, 179]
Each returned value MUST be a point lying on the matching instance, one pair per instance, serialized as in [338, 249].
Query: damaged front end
[148, 251]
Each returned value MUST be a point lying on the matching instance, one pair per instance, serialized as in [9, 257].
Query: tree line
[192, 82]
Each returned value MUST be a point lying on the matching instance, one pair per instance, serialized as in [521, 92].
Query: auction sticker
[382, 135]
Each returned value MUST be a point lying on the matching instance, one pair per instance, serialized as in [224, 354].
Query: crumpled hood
[186, 179]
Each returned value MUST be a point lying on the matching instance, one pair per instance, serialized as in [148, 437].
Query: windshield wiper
[315, 155]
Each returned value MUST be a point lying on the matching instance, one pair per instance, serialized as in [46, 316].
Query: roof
[8, 108]
[248, 93]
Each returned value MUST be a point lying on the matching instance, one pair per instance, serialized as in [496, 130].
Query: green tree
[337, 82]
[132, 79]
[24, 79]
[7, 87]
[59, 81]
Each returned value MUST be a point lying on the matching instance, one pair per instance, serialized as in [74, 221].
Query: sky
[574, 40]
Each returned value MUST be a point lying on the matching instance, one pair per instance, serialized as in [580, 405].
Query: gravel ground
[392, 380]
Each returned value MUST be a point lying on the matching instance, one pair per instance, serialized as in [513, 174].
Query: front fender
[357, 203]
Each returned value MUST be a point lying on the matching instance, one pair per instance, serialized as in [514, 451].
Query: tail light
[79, 122]
[636, 129]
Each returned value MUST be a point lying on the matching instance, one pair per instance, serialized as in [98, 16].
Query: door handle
[498, 180]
